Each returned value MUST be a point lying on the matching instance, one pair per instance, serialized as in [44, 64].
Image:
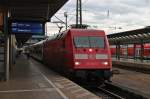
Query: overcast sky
[123, 14]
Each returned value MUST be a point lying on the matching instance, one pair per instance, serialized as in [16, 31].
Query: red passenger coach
[79, 52]
[132, 51]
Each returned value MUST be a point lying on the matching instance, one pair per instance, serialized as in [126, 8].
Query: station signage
[33, 28]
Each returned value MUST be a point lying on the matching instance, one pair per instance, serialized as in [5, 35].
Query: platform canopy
[130, 37]
[32, 9]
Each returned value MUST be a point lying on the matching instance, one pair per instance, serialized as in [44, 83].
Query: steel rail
[109, 93]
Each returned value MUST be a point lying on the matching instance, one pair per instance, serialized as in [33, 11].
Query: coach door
[137, 52]
[2, 46]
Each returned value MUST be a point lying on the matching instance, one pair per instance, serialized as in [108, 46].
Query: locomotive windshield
[89, 41]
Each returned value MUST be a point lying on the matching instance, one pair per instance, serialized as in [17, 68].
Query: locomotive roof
[62, 34]
[86, 30]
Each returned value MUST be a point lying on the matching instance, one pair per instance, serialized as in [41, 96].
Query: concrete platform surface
[31, 80]
[137, 82]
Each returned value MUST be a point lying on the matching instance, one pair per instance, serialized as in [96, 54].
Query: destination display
[34, 28]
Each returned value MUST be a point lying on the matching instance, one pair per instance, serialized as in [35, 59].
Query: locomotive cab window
[81, 42]
[89, 42]
[97, 42]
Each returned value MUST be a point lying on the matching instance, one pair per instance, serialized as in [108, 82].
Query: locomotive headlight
[90, 50]
[105, 63]
[77, 63]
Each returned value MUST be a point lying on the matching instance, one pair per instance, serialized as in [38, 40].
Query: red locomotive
[79, 52]
[132, 50]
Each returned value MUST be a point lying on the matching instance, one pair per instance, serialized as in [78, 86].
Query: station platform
[31, 80]
[134, 81]
[137, 65]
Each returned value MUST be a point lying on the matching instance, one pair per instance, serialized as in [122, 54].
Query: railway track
[111, 91]
[117, 92]
[105, 94]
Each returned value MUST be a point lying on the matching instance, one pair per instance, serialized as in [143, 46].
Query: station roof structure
[32, 9]
[130, 37]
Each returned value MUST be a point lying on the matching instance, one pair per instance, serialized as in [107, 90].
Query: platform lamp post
[7, 45]
[66, 16]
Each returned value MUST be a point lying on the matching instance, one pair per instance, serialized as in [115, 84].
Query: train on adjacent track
[83, 53]
[132, 51]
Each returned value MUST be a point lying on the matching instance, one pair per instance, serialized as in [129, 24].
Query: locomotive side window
[89, 42]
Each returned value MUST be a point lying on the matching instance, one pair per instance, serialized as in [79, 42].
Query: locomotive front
[91, 54]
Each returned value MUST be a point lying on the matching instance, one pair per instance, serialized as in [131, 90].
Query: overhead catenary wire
[59, 19]
[72, 14]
